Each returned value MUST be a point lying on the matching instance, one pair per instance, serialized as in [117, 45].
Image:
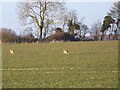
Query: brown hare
[11, 51]
[65, 51]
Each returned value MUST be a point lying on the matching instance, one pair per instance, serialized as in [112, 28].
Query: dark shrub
[61, 36]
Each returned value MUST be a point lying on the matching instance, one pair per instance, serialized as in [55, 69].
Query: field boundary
[31, 69]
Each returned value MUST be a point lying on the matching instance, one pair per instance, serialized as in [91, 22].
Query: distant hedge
[8, 35]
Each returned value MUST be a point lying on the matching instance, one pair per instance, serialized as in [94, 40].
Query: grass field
[89, 65]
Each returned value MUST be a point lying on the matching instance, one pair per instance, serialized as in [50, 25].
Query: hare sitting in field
[65, 51]
[11, 51]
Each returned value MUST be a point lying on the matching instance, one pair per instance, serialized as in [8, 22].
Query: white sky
[62, 0]
[91, 11]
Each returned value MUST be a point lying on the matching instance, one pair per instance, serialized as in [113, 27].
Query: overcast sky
[91, 11]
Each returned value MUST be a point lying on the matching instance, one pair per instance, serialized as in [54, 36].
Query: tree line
[10, 36]
[52, 21]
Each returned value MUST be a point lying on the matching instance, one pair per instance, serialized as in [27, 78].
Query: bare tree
[72, 21]
[95, 30]
[37, 13]
[115, 13]
[64, 18]
[73, 16]
[85, 30]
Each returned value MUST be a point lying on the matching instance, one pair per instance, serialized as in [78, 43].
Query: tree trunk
[102, 36]
[40, 33]
[115, 34]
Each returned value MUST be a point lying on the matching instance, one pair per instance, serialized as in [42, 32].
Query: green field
[89, 65]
